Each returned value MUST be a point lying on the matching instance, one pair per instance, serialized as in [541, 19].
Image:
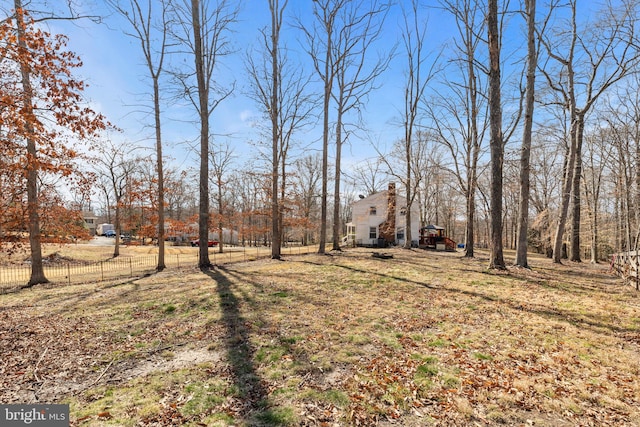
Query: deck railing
[627, 266]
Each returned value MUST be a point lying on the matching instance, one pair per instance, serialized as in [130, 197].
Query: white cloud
[246, 116]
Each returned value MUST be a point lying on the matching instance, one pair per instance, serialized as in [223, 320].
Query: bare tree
[320, 39]
[116, 170]
[221, 159]
[622, 115]
[579, 67]
[367, 176]
[525, 151]
[151, 33]
[459, 118]
[417, 79]
[205, 28]
[496, 144]
[179, 194]
[598, 155]
[361, 25]
[411, 165]
[430, 190]
[338, 42]
[546, 173]
[280, 87]
[307, 178]
[622, 136]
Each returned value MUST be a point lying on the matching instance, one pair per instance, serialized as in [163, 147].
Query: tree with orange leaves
[40, 114]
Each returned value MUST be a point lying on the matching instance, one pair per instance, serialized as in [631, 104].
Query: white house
[380, 220]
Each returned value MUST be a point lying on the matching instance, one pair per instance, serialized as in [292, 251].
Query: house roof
[384, 194]
[433, 227]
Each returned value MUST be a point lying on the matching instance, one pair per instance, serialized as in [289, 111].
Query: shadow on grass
[256, 410]
[593, 321]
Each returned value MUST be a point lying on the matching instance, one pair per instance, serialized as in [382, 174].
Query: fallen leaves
[339, 340]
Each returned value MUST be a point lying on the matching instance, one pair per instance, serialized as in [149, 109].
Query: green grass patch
[438, 342]
[202, 396]
[276, 417]
[270, 354]
[482, 356]
[332, 396]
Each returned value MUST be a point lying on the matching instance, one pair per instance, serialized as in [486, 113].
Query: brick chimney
[387, 230]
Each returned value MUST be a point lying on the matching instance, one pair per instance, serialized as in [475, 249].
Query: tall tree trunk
[525, 152]
[637, 198]
[328, 83]
[407, 215]
[496, 259]
[276, 232]
[336, 183]
[283, 192]
[471, 213]
[576, 195]
[631, 243]
[37, 268]
[594, 236]
[407, 188]
[160, 170]
[616, 215]
[118, 228]
[220, 223]
[203, 211]
[474, 151]
[566, 189]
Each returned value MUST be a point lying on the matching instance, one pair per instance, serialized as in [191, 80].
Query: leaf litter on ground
[423, 338]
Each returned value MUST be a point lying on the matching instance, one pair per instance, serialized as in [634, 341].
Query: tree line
[522, 122]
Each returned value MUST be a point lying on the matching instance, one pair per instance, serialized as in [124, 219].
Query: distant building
[90, 222]
[379, 220]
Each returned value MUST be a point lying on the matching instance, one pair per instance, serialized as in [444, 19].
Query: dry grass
[93, 253]
[421, 339]
[87, 263]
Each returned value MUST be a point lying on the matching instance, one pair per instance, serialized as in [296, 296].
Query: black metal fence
[12, 277]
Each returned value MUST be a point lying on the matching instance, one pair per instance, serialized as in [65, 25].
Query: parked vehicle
[210, 243]
[110, 233]
[101, 229]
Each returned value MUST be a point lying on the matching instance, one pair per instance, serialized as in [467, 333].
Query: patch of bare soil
[168, 362]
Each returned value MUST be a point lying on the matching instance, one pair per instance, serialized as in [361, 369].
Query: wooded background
[521, 131]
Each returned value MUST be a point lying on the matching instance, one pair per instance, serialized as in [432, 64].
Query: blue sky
[113, 69]
[117, 80]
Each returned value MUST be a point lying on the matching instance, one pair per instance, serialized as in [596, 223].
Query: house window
[400, 234]
[372, 210]
[373, 232]
[89, 220]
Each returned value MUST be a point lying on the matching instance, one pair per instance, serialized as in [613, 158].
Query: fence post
[69, 272]
[102, 270]
[130, 268]
[637, 271]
